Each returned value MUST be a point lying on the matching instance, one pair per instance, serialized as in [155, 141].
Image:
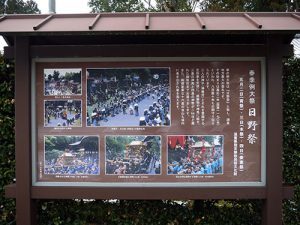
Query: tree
[56, 75]
[194, 5]
[18, 7]
[7, 147]
[250, 5]
[177, 5]
[291, 137]
[209, 139]
[143, 5]
[116, 6]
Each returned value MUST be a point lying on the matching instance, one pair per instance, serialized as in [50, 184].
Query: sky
[62, 6]
[65, 6]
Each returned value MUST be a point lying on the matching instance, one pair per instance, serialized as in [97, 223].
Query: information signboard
[152, 122]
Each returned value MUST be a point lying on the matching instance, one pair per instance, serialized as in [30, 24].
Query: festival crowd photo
[133, 155]
[71, 155]
[62, 113]
[128, 97]
[201, 155]
[62, 82]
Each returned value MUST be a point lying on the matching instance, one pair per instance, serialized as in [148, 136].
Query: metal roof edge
[78, 15]
[145, 23]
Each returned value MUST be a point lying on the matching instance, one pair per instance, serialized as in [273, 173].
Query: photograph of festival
[62, 113]
[197, 155]
[62, 82]
[133, 155]
[132, 97]
[71, 155]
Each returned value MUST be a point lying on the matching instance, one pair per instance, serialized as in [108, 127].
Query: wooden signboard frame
[272, 193]
[106, 174]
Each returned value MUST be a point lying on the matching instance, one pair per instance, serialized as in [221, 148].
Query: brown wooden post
[272, 214]
[24, 204]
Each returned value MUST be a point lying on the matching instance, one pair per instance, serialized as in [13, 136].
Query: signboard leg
[24, 203]
[272, 214]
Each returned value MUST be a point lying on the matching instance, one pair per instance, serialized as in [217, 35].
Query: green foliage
[18, 7]
[209, 139]
[56, 75]
[249, 5]
[54, 154]
[194, 5]
[76, 77]
[291, 144]
[177, 5]
[143, 5]
[60, 142]
[7, 147]
[155, 145]
[116, 6]
[117, 144]
[149, 212]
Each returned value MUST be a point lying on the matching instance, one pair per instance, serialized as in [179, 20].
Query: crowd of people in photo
[62, 87]
[158, 113]
[139, 164]
[118, 99]
[86, 164]
[62, 115]
[205, 163]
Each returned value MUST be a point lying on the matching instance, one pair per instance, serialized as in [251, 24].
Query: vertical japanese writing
[207, 76]
[177, 89]
[198, 96]
[241, 166]
[217, 82]
[202, 97]
[252, 123]
[235, 153]
[222, 84]
[182, 94]
[212, 93]
[227, 86]
[202, 93]
[241, 126]
[187, 89]
[241, 107]
[192, 97]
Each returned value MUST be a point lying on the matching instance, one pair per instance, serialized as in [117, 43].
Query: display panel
[128, 97]
[189, 122]
[133, 155]
[62, 81]
[71, 155]
[63, 113]
[201, 155]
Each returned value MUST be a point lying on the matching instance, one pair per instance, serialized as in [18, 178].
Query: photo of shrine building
[71, 155]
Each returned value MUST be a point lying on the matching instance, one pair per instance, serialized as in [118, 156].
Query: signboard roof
[204, 22]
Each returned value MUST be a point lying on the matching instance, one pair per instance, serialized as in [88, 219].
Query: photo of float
[71, 155]
[62, 113]
[200, 155]
[133, 155]
[62, 82]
